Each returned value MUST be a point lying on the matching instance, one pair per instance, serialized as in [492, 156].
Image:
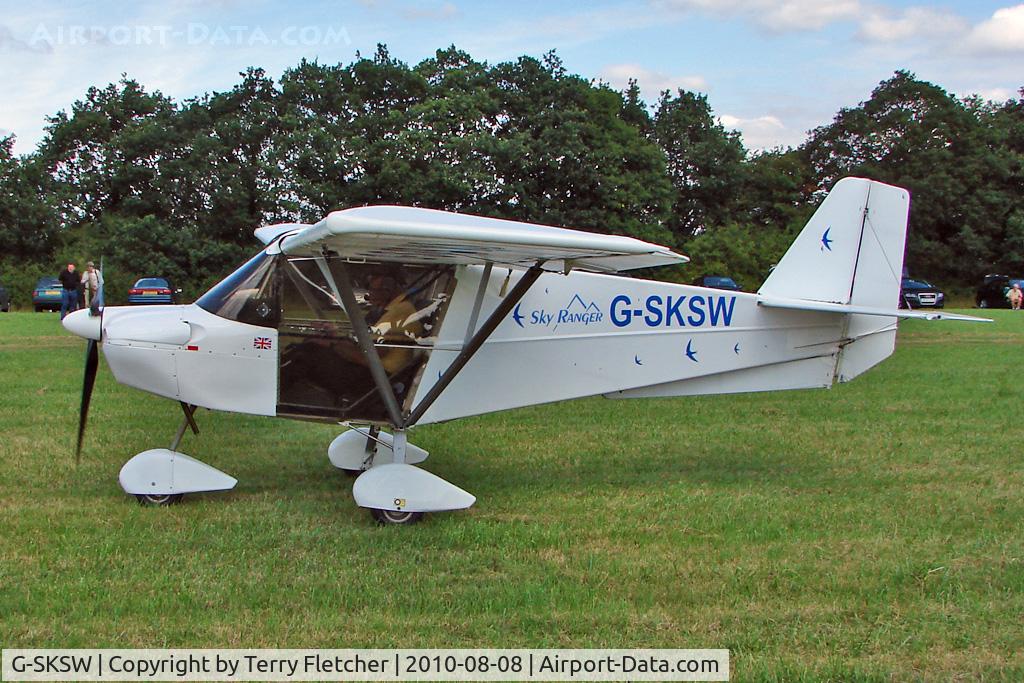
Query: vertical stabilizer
[851, 253]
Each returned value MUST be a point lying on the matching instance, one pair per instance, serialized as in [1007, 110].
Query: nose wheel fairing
[164, 472]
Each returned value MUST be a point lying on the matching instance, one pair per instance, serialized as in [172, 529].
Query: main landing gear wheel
[158, 500]
[395, 517]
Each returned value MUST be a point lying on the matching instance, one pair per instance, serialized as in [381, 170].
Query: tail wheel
[158, 500]
[983, 303]
[383, 517]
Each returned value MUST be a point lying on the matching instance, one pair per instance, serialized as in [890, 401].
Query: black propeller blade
[92, 362]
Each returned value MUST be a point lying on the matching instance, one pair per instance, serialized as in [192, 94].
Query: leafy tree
[28, 225]
[778, 189]
[1007, 126]
[232, 159]
[705, 162]
[913, 134]
[159, 187]
[103, 157]
[564, 155]
[746, 253]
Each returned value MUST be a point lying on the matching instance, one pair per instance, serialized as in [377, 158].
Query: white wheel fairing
[163, 472]
[348, 451]
[407, 488]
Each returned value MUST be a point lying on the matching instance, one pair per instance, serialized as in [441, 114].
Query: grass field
[873, 531]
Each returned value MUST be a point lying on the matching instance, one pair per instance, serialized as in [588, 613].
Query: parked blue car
[47, 294]
[153, 290]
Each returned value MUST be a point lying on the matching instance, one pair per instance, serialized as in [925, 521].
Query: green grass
[873, 531]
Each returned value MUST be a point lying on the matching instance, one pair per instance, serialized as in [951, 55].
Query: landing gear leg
[397, 516]
[369, 450]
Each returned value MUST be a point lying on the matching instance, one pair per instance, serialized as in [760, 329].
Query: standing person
[93, 280]
[1015, 296]
[69, 280]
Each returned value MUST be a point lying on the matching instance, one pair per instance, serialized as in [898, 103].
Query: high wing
[427, 236]
[269, 233]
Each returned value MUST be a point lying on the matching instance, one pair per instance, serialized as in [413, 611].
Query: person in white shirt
[93, 281]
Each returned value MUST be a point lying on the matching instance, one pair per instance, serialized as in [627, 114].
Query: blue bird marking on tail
[825, 240]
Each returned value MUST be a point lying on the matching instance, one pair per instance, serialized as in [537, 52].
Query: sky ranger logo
[674, 311]
[577, 311]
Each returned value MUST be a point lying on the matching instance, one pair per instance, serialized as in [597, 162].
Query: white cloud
[988, 94]
[775, 15]
[651, 82]
[1002, 33]
[881, 25]
[996, 94]
[762, 132]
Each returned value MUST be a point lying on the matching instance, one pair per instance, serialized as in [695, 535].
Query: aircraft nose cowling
[83, 324]
[147, 324]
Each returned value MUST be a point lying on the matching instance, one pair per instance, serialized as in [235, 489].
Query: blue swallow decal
[636, 359]
[825, 241]
[690, 353]
[736, 349]
[517, 316]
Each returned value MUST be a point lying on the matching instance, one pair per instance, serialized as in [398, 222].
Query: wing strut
[474, 344]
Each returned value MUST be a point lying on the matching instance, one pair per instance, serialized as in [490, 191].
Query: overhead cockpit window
[249, 295]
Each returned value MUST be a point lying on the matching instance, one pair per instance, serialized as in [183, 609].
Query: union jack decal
[261, 343]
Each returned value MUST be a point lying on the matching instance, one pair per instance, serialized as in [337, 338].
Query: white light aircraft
[391, 317]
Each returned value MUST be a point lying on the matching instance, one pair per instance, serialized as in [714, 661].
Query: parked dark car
[920, 294]
[153, 290]
[993, 289]
[47, 294]
[5, 299]
[717, 282]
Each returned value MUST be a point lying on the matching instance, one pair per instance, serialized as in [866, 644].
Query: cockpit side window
[249, 295]
[324, 371]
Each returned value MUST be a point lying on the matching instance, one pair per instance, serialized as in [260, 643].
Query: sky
[771, 69]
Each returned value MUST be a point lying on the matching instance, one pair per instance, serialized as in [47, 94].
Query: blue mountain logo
[578, 312]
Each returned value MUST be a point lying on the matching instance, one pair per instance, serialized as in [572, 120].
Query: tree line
[158, 187]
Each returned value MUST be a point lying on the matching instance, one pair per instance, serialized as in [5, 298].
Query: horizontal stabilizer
[826, 307]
